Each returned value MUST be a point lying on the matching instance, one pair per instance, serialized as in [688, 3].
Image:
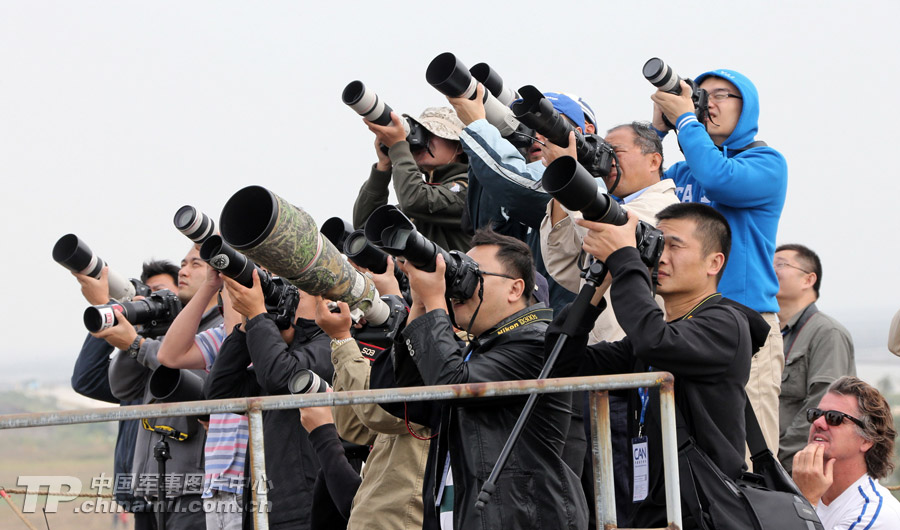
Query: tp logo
[55, 484]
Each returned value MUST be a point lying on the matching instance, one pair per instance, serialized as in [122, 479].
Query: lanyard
[644, 392]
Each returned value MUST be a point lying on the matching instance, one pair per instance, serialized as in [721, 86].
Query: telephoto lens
[358, 250]
[451, 78]
[569, 183]
[307, 382]
[156, 310]
[196, 225]
[494, 83]
[336, 230]
[366, 103]
[74, 254]
[283, 238]
[662, 76]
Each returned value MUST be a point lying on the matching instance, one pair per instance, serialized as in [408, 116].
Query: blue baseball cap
[588, 111]
[567, 107]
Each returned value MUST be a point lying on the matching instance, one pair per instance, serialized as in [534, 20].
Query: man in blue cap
[746, 180]
[504, 187]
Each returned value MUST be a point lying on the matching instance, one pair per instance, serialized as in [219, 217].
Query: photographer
[430, 181]
[638, 168]
[705, 340]
[90, 376]
[537, 489]
[505, 190]
[275, 355]
[129, 376]
[391, 488]
[746, 181]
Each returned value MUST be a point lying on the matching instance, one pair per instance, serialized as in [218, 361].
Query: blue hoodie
[748, 188]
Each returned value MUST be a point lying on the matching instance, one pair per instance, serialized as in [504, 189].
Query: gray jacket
[129, 380]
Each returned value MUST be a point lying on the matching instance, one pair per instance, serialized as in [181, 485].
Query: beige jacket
[561, 246]
[390, 495]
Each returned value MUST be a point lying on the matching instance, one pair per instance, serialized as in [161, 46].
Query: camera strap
[165, 430]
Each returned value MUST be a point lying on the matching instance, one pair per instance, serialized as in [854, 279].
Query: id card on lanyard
[640, 454]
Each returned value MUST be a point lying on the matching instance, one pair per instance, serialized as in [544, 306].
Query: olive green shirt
[822, 351]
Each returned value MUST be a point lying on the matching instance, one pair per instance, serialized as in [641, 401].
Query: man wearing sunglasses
[851, 445]
[725, 167]
[817, 348]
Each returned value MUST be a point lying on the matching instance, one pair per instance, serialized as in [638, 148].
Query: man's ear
[715, 263]
[517, 291]
[656, 160]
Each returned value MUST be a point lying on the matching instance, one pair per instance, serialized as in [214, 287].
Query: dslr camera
[391, 231]
[536, 111]
[154, 313]
[280, 296]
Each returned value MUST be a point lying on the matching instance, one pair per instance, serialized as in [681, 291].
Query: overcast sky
[115, 114]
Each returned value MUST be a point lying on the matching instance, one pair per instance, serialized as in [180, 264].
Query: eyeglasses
[484, 273]
[778, 265]
[722, 95]
[832, 417]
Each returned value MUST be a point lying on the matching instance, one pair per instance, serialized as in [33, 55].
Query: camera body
[281, 297]
[537, 112]
[391, 231]
[154, 313]
[663, 77]
[571, 184]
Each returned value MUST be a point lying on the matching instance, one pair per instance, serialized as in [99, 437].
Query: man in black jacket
[291, 463]
[707, 342]
[536, 489]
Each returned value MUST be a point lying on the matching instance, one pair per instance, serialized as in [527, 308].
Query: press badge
[641, 465]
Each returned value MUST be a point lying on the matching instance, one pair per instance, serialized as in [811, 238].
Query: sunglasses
[832, 417]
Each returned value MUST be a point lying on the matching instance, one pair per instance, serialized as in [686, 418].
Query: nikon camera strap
[165, 430]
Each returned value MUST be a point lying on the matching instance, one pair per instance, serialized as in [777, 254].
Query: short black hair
[646, 138]
[514, 255]
[712, 227]
[809, 259]
[159, 266]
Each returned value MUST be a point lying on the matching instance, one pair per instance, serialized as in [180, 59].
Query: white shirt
[865, 505]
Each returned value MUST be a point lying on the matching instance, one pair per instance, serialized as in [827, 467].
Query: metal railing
[601, 445]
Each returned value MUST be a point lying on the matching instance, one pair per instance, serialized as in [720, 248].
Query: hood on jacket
[748, 124]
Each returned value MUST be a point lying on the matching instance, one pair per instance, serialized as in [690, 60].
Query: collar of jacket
[305, 330]
[449, 172]
[515, 322]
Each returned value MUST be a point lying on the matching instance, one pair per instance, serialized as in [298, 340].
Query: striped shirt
[226, 441]
[865, 505]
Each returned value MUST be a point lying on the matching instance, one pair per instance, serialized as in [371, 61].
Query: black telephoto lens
[391, 231]
[336, 230]
[358, 250]
[228, 261]
[160, 307]
[536, 111]
[570, 184]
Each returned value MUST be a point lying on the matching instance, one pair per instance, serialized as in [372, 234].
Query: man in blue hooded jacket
[745, 180]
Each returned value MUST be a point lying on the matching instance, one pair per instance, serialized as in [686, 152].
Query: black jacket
[708, 353]
[291, 463]
[536, 488]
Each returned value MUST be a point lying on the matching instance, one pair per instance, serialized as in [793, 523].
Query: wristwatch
[336, 343]
[135, 347]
